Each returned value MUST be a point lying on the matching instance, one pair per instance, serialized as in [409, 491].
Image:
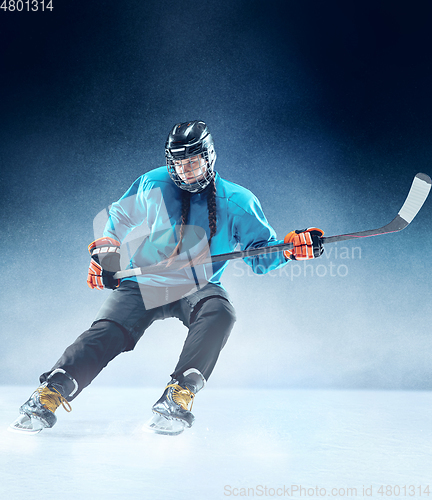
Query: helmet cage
[203, 147]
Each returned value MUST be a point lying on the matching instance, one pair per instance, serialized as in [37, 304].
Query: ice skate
[171, 412]
[163, 425]
[37, 412]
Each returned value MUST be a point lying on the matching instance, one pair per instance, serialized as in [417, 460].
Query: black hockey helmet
[189, 140]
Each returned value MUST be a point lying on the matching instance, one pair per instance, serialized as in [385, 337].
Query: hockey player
[187, 193]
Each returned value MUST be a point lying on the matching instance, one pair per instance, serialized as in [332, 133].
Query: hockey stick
[417, 195]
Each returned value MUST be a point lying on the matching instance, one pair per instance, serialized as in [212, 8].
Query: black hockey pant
[123, 319]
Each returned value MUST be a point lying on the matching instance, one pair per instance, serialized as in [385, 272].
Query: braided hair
[185, 207]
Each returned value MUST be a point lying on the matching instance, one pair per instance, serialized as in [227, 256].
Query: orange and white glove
[307, 244]
[105, 262]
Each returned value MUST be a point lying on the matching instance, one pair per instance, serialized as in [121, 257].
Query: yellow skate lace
[52, 399]
[182, 396]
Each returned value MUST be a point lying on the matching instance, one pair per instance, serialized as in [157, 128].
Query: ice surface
[248, 439]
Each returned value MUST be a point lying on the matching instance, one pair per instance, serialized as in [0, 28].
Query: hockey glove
[307, 244]
[105, 262]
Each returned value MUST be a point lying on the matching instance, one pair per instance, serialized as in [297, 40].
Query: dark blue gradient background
[322, 109]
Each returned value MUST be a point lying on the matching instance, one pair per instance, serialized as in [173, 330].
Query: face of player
[191, 170]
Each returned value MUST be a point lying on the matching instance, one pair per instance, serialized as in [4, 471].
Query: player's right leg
[80, 363]
[117, 327]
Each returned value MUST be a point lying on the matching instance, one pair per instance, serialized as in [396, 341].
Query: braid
[211, 205]
[185, 206]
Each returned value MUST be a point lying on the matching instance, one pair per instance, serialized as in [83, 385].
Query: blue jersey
[155, 200]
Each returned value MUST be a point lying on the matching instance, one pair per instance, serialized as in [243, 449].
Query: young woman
[190, 211]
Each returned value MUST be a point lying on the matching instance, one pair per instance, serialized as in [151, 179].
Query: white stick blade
[416, 197]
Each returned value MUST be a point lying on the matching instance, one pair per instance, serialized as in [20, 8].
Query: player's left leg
[210, 324]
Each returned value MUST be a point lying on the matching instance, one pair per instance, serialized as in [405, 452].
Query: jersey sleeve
[254, 231]
[128, 212]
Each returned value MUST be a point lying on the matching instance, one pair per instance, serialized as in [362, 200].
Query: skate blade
[162, 425]
[26, 425]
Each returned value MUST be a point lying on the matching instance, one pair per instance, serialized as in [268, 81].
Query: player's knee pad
[109, 332]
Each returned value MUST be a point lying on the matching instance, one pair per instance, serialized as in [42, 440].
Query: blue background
[322, 109]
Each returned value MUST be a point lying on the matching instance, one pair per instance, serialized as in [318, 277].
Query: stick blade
[417, 195]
